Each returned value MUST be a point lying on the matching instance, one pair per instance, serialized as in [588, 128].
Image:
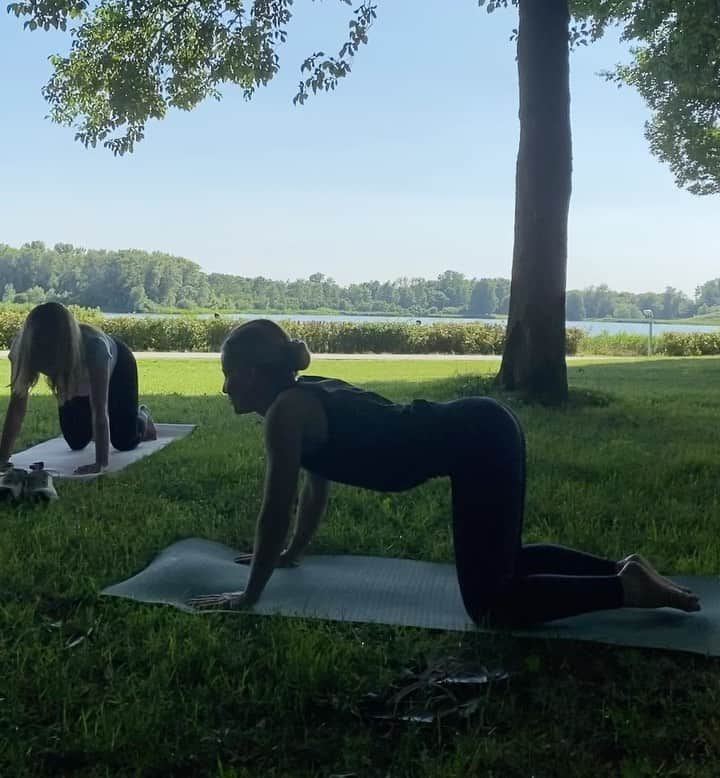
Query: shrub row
[192, 334]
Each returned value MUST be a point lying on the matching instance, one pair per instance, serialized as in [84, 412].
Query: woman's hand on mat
[87, 469]
[224, 601]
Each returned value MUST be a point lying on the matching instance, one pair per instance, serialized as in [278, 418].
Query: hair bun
[299, 355]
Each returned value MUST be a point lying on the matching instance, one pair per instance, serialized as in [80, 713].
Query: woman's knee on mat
[77, 443]
[492, 602]
[125, 431]
[124, 442]
[507, 611]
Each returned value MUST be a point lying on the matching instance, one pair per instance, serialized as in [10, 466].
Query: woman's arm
[311, 509]
[283, 445]
[13, 424]
[99, 377]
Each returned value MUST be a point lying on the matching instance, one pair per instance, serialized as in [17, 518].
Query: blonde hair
[262, 343]
[50, 336]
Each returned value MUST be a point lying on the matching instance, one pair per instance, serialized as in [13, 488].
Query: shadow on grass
[598, 454]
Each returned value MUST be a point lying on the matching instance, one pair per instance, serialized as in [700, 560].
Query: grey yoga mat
[403, 592]
[62, 462]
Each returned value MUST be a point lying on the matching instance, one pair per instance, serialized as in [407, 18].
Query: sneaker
[39, 486]
[12, 482]
[149, 431]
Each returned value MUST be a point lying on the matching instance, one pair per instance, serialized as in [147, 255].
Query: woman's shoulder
[91, 331]
[308, 380]
[341, 391]
[324, 384]
[295, 414]
[290, 400]
[98, 346]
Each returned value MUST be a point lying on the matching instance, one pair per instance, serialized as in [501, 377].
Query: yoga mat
[403, 592]
[61, 461]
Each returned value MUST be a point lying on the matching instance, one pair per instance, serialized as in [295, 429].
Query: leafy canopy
[132, 60]
[675, 66]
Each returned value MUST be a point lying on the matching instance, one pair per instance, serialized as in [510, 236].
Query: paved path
[392, 357]
[213, 355]
[379, 357]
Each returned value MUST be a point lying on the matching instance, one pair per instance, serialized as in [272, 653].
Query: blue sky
[406, 170]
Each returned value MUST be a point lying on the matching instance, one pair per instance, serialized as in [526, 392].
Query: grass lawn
[708, 318]
[92, 686]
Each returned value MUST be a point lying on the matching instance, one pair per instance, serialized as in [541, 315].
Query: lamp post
[648, 314]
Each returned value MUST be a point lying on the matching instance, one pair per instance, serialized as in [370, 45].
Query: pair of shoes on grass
[35, 485]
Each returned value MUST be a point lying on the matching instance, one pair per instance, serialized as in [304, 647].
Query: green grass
[102, 687]
[707, 318]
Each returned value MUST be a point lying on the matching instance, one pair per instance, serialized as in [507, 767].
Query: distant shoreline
[707, 320]
[710, 321]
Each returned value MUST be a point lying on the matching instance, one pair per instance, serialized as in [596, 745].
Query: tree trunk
[534, 356]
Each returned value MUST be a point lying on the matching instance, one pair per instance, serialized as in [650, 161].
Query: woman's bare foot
[643, 590]
[641, 560]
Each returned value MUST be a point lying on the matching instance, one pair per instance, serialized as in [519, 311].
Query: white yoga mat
[402, 592]
[61, 461]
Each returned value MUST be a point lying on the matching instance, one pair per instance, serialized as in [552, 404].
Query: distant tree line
[140, 281]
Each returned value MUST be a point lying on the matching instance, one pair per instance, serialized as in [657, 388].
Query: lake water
[592, 327]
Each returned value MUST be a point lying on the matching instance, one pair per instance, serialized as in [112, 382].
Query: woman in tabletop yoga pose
[338, 432]
[93, 377]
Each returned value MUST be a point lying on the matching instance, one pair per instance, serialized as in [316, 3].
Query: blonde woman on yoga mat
[338, 432]
[93, 377]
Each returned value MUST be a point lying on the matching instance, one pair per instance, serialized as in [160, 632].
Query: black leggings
[127, 428]
[501, 580]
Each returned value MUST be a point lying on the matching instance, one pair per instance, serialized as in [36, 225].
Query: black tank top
[373, 442]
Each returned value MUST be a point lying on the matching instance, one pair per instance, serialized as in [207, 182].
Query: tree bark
[534, 356]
